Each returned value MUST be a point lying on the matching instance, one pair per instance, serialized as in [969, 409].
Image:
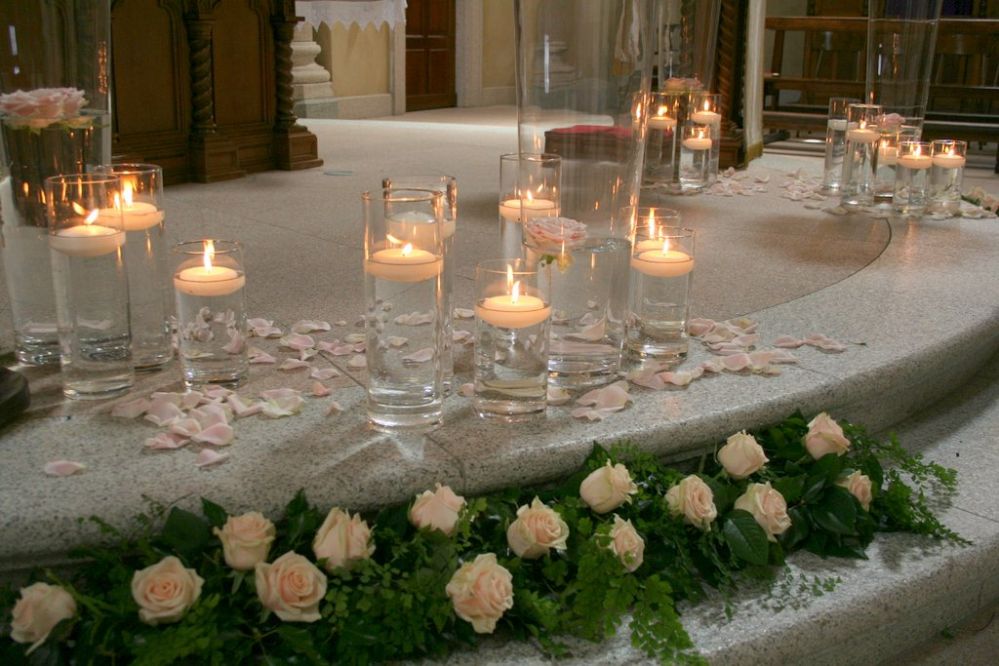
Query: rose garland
[624, 534]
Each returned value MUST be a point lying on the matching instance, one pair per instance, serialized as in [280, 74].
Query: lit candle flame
[950, 151]
[509, 277]
[209, 254]
[665, 245]
[652, 225]
[126, 192]
[407, 249]
[662, 111]
[515, 292]
[392, 239]
[529, 197]
[707, 105]
[91, 216]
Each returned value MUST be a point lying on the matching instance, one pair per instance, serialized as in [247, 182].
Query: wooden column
[294, 146]
[728, 74]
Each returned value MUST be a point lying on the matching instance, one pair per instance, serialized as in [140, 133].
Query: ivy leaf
[185, 533]
[215, 514]
[837, 512]
[745, 537]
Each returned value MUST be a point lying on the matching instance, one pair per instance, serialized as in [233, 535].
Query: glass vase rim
[130, 168]
[88, 177]
[425, 195]
[540, 158]
[220, 245]
[672, 232]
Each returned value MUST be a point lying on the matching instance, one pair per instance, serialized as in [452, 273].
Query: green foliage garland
[394, 606]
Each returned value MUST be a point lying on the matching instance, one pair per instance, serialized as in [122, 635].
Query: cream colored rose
[742, 455]
[825, 436]
[536, 530]
[859, 486]
[292, 587]
[246, 540]
[607, 488]
[693, 499]
[481, 591]
[40, 608]
[627, 544]
[165, 590]
[437, 510]
[768, 508]
[342, 540]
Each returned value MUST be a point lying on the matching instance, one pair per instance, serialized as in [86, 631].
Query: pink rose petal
[210, 414]
[236, 343]
[241, 409]
[355, 338]
[260, 356]
[713, 366]
[281, 402]
[466, 390]
[163, 396]
[306, 354]
[698, 327]
[320, 390]
[464, 313]
[736, 362]
[612, 397]
[130, 409]
[461, 337]
[293, 364]
[309, 325]
[419, 356]
[324, 374]
[166, 440]
[788, 342]
[358, 362]
[414, 319]
[297, 341]
[557, 395]
[208, 457]
[334, 408]
[185, 427]
[215, 392]
[63, 468]
[219, 434]
[191, 399]
[163, 413]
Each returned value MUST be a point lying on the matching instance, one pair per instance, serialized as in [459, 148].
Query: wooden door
[430, 54]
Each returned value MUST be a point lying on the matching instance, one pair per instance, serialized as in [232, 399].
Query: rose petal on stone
[461, 337]
[414, 319]
[612, 397]
[306, 354]
[340, 322]
[681, 377]
[396, 341]
[337, 348]
[185, 427]
[236, 343]
[698, 326]
[297, 341]
[360, 348]
[713, 366]
[334, 408]
[419, 356]
[293, 364]
[164, 396]
[309, 325]
[281, 402]
[464, 313]
[208, 457]
[736, 362]
[746, 340]
[258, 322]
[592, 333]
[825, 343]
[241, 409]
[63, 468]
[782, 356]
[130, 409]
[209, 415]
[466, 390]
[324, 374]
[354, 338]
[358, 362]
[163, 413]
[166, 440]
[191, 399]
[788, 342]
[558, 395]
[262, 357]
[219, 434]
[320, 390]
[742, 324]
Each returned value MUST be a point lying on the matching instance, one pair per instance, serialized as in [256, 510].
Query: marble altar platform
[917, 303]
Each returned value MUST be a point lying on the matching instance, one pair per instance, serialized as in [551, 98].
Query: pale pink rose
[693, 499]
[536, 530]
[768, 508]
[825, 436]
[859, 486]
[292, 587]
[342, 539]
[246, 540]
[627, 544]
[607, 488]
[437, 510]
[165, 590]
[40, 608]
[481, 591]
[47, 103]
[742, 455]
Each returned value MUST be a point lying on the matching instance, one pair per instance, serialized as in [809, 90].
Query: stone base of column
[315, 100]
[296, 148]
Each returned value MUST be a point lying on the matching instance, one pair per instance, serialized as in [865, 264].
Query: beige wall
[358, 58]
[794, 42]
[498, 45]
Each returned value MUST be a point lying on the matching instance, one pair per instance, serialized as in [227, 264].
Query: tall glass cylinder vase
[901, 38]
[861, 159]
[583, 78]
[686, 33]
[404, 317]
[529, 187]
[54, 119]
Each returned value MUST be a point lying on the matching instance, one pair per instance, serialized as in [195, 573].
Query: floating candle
[838, 124]
[948, 160]
[662, 122]
[915, 161]
[706, 117]
[405, 264]
[662, 262]
[862, 134]
[512, 310]
[136, 215]
[88, 239]
[208, 279]
[533, 208]
[697, 143]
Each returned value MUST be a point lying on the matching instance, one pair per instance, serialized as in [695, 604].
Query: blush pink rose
[693, 499]
[627, 544]
[437, 510]
[607, 488]
[342, 539]
[39, 609]
[43, 103]
[292, 587]
[742, 455]
[246, 540]
[481, 591]
[165, 591]
[859, 486]
[537, 529]
[768, 508]
[825, 436]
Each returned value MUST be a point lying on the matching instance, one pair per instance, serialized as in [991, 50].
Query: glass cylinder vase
[911, 178]
[583, 81]
[946, 176]
[54, 119]
[529, 187]
[861, 159]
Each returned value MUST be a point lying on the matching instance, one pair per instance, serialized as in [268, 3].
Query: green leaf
[823, 473]
[799, 529]
[790, 487]
[215, 514]
[837, 512]
[745, 537]
[185, 533]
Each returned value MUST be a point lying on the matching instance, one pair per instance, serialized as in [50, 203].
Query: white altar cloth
[348, 12]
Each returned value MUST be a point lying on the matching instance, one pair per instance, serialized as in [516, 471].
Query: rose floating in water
[43, 106]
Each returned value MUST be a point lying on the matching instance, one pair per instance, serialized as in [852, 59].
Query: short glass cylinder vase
[696, 145]
[54, 119]
[662, 265]
[947, 176]
[404, 307]
[209, 289]
[836, 126]
[892, 134]
[448, 187]
[705, 110]
[860, 159]
[512, 318]
[147, 258]
[86, 240]
[912, 170]
[660, 142]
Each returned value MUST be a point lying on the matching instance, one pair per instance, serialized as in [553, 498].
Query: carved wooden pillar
[728, 74]
[294, 146]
